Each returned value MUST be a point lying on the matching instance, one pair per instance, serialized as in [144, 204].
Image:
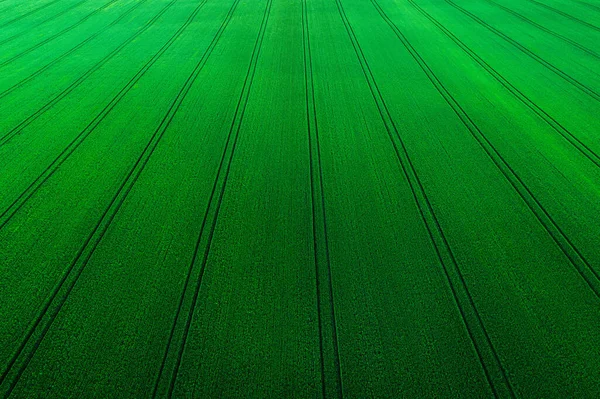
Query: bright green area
[300, 198]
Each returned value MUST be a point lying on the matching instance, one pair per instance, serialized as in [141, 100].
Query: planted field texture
[300, 198]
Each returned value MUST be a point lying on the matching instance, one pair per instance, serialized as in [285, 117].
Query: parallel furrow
[576, 258]
[84, 254]
[33, 28]
[592, 6]
[225, 165]
[56, 35]
[20, 17]
[205, 238]
[549, 31]
[80, 138]
[563, 75]
[325, 307]
[564, 14]
[31, 118]
[188, 279]
[487, 354]
[583, 148]
[70, 52]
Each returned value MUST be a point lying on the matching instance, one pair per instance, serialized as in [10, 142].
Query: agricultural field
[300, 198]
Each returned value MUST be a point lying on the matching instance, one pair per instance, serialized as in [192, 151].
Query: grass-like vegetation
[300, 198]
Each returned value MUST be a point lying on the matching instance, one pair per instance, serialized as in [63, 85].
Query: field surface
[300, 198]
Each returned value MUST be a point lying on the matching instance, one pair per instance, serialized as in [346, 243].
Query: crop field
[300, 198]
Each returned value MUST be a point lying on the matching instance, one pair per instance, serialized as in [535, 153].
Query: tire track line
[545, 116]
[575, 257]
[32, 28]
[20, 17]
[563, 75]
[218, 190]
[488, 357]
[56, 35]
[564, 14]
[331, 387]
[547, 30]
[592, 6]
[71, 51]
[172, 333]
[89, 129]
[19, 128]
[77, 266]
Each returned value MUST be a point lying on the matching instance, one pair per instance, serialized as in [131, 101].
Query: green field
[300, 198]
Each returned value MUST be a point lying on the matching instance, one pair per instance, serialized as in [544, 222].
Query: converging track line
[564, 14]
[33, 75]
[89, 129]
[563, 75]
[187, 282]
[492, 367]
[20, 17]
[85, 253]
[33, 28]
[31, 118]
[547, 30]
[214, 206]
[571, 252]
[156, 235]
[545, 116]
[56, 35]
[319, 223]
